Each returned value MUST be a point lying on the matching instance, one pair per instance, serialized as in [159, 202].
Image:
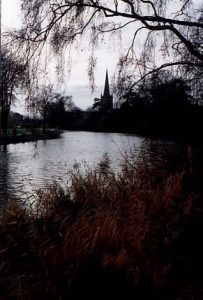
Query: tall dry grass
[106, 234]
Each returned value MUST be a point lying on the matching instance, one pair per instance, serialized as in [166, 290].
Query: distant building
[105, 103]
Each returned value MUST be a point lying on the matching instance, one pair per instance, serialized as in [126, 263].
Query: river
[26, 167]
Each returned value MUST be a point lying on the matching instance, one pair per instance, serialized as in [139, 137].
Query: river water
[25, 167]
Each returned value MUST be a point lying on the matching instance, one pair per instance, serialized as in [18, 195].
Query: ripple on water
[29, 166]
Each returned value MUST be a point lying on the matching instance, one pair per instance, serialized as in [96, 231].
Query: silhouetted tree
[97, 104]
[50, 105]
[58, 108]
[164, 108]
[13, 77]
[171, 94]
[41, 101]
[160, 89]
[63, 22]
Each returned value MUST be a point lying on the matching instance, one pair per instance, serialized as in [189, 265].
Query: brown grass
[116, 234]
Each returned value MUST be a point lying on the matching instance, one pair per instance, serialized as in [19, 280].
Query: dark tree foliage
[160, 90]
[13, 78]
[161, 106]
[97, 104]
[40, 102]
[57, 111]
[172, 94]
[49, 105]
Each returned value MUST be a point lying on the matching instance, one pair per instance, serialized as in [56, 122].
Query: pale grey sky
[77, 83]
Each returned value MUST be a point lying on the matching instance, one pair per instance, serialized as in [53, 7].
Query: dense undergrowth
[136, 234]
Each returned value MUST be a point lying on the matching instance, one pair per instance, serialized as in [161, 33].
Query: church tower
[106, 87]
[106, 98]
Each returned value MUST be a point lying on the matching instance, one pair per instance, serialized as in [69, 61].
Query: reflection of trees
[4, 165]
[164, 158]
[164, 155]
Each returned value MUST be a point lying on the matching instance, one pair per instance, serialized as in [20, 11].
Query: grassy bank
[138, 233]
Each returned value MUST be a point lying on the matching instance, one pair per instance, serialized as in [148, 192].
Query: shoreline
[30, 137]
[56, 133]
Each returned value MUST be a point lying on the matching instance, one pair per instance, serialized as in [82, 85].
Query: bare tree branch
[61, 22]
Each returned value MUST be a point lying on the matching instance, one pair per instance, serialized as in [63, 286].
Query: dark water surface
[25, 167]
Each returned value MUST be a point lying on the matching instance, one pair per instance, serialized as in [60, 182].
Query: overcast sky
[77, 83]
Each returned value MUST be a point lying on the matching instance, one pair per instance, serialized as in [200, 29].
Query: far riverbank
[23, 135]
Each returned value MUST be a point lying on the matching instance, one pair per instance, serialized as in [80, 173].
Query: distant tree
[173, 93]
[41, 101]
[59, 107]
[50, 105]
[97, 104]
[161, 90]
[167, 28]
[14, 76]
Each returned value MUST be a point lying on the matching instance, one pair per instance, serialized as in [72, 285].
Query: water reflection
[4, 165]
[6, 187]
[26, 167]
[29, 166]
[164, 152]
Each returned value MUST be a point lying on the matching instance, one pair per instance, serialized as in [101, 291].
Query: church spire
[106, 87]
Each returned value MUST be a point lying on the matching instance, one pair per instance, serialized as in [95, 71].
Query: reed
[113, 233]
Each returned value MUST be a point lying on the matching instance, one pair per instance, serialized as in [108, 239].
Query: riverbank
[181, 126]
[23, 135]
[133, 235]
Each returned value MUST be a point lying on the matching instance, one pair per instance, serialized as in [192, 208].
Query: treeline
[161, 106]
